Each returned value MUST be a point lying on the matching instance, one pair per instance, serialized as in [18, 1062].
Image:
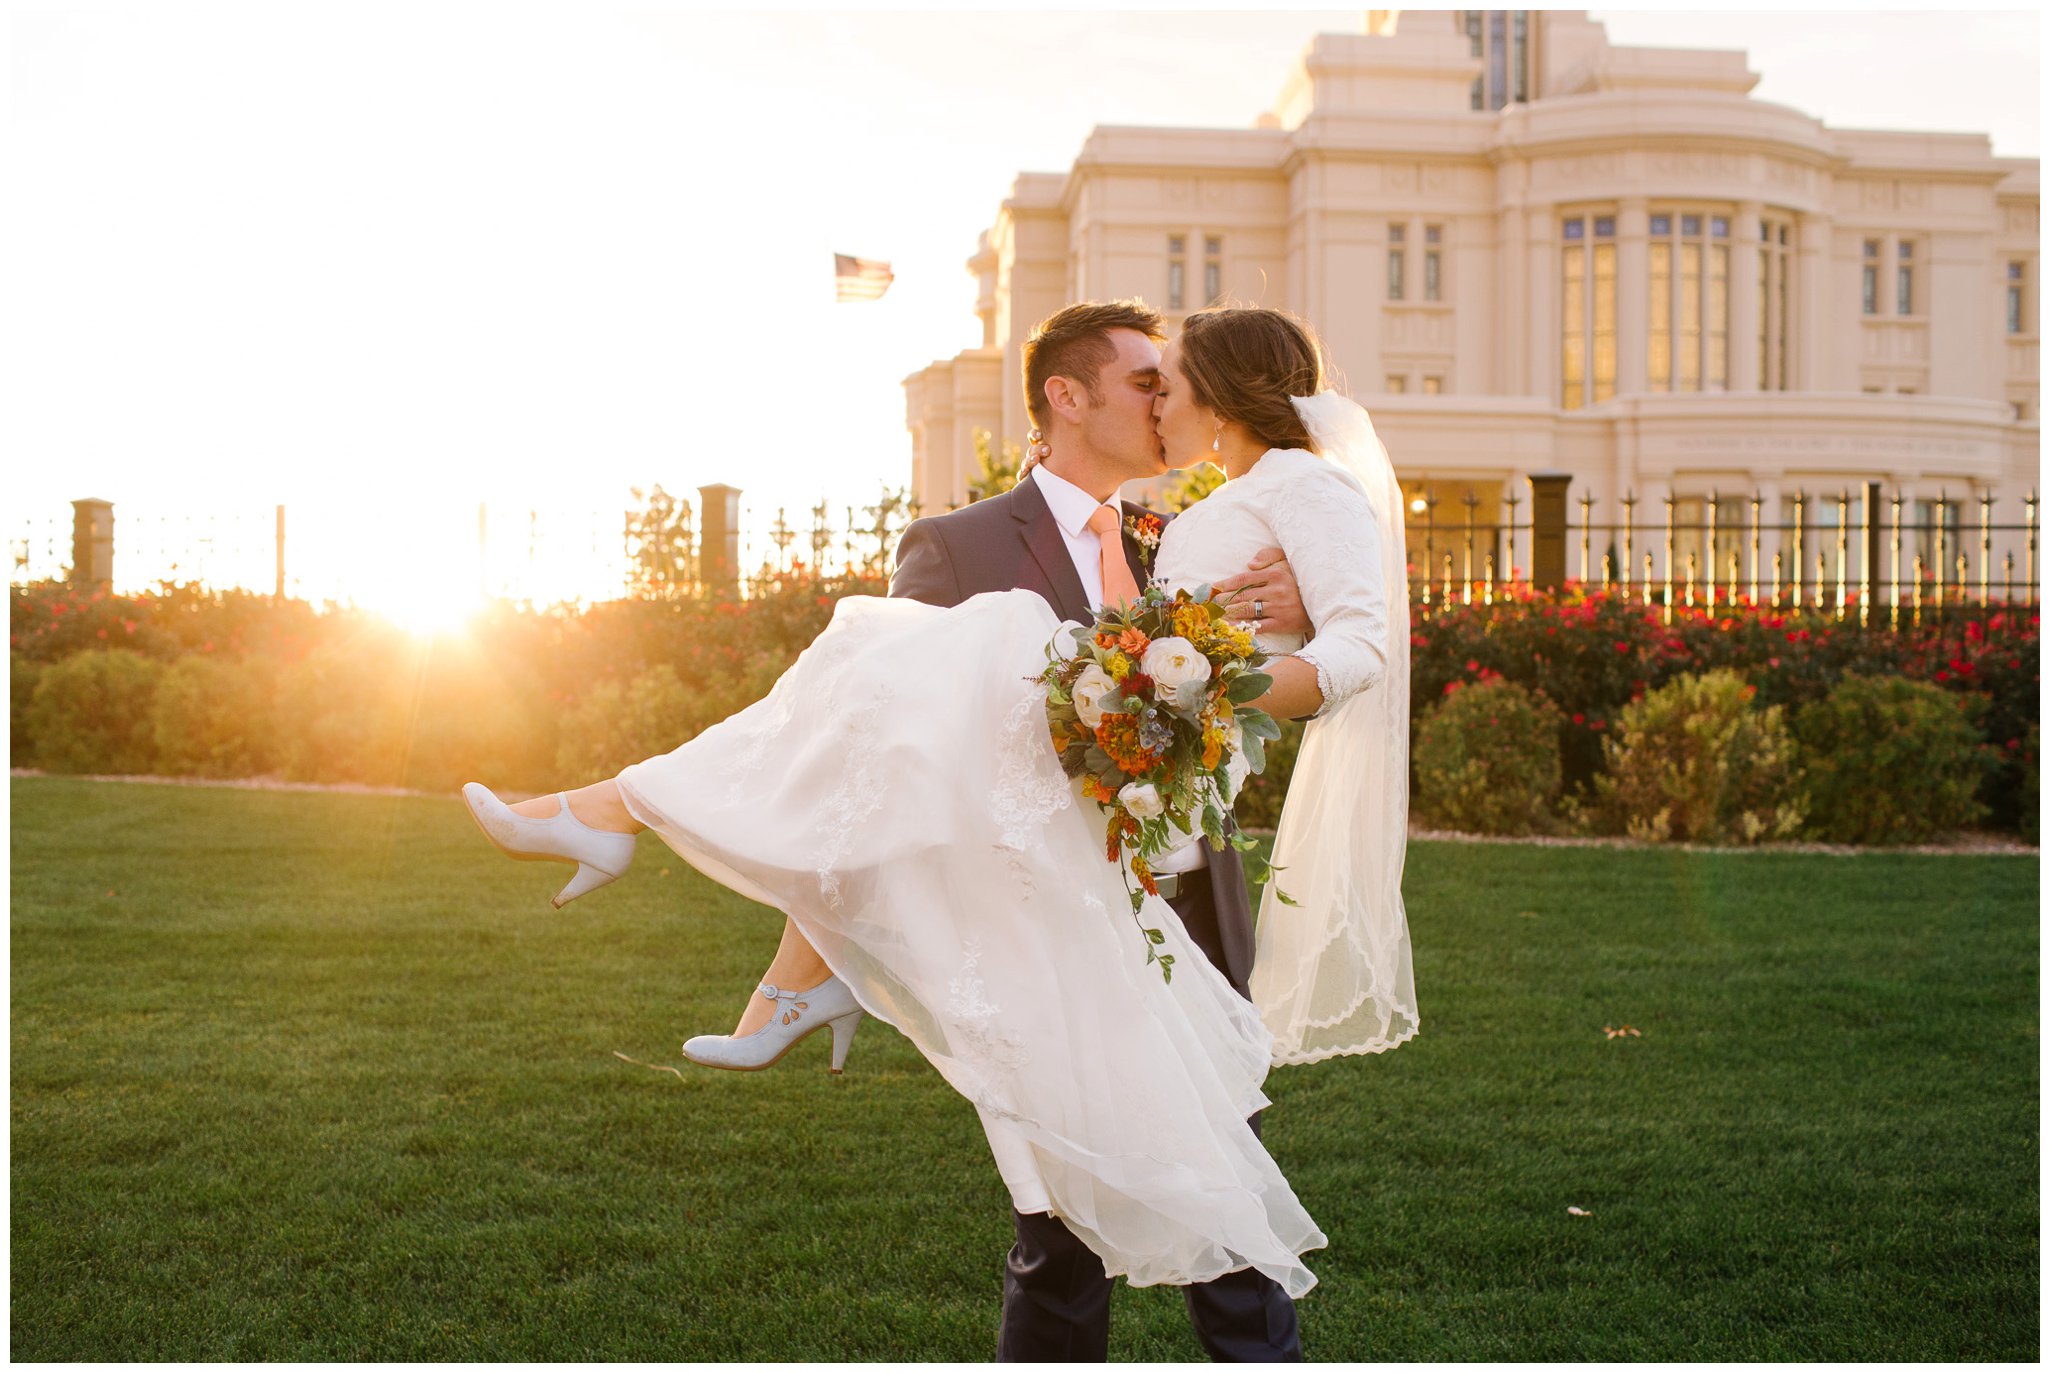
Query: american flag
[857, 278]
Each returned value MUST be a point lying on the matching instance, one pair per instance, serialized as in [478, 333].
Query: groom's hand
[1266, 591]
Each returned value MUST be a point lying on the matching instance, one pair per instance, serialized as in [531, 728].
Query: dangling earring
[1217, 441]
[1037, 445]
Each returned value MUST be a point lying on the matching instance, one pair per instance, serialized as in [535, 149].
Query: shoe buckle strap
[796, 1007]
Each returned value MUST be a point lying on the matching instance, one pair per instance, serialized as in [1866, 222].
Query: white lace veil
[1332, 974]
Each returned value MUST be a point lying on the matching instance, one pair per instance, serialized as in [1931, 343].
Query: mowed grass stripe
[321, 1077]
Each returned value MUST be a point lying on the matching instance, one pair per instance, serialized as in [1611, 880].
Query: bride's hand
[1267, 592]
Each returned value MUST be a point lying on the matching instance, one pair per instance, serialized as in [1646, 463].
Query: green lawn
[317, 1076]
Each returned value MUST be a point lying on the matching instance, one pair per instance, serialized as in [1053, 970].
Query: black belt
[1173, 884]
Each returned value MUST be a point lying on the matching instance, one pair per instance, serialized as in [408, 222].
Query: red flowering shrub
[1594, 652]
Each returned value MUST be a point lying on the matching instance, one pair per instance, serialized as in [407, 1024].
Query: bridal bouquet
[1148, 708]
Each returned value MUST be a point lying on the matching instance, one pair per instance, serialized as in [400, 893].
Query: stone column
[1508, 299]
[1744, 320]
[1541, 292]
[1808, 332]
[1633, 288]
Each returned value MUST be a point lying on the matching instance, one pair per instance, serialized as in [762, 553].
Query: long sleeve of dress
[1326, 526]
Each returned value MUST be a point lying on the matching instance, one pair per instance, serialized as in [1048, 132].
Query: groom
[1090, 374]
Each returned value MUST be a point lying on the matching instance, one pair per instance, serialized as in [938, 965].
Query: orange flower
[1118, 736]
[1145, 876]
[1133, 641]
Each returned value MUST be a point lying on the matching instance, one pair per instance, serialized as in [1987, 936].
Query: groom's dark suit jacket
[1012, 542]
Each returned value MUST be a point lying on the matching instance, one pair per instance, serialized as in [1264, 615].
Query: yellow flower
[1191, 622]
[1119, 667]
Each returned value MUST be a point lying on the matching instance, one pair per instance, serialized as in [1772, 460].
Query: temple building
[1531, 251]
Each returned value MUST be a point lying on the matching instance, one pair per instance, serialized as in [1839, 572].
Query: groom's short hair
[1075, 342]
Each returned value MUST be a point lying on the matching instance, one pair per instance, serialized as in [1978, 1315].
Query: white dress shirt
[1071, 507]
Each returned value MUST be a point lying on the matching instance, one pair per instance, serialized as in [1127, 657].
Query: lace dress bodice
[1318, 515]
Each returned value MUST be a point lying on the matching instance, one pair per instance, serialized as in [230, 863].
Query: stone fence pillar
[1548, 529]
[92, 543]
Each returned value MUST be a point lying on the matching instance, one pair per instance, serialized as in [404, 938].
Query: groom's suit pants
[1057, 1298]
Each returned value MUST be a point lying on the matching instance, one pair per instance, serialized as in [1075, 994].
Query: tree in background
[887, 517]
[995, 472]
[1192, 485]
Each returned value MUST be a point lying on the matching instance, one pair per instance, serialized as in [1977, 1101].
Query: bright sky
[382, 261]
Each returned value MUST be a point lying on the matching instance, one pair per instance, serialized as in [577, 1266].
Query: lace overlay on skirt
[897, 797]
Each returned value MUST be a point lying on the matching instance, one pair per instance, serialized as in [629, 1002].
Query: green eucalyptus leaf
[1247, 686]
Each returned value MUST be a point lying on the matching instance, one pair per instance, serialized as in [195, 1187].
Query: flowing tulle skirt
[896, 795]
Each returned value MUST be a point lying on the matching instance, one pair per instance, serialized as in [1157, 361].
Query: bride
[896, 796]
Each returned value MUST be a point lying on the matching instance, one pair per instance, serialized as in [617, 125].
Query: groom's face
[1117, 423]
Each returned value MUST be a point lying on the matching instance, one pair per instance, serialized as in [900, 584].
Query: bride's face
[1186, 427]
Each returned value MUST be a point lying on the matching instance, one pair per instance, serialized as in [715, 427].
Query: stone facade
[1608, 262]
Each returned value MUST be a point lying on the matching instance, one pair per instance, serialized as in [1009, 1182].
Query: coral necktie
[1108, 527]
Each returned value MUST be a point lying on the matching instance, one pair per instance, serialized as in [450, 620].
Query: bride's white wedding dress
[897, 796]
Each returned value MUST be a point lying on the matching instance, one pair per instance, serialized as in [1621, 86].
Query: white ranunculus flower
[1142, 799]
[1089, 692]
[1178, 670]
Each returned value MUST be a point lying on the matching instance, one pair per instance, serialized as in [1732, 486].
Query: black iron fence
[1861, 555]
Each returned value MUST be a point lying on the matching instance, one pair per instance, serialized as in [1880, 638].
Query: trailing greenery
[1889, 761]
[321, 1077]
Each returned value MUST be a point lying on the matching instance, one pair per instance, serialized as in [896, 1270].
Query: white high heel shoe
[797, 1015]
[600, 855]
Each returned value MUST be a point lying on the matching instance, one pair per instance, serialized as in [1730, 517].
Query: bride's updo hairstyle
[1246, 363]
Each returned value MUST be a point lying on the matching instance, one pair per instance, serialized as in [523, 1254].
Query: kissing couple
[896, 796]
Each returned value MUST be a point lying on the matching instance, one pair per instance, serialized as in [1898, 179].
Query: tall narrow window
[1395, 261]
[1688, 344]
[1573, 316]
[1871, 291]
[1718, 303]
[1177, 272]
[1587, 311]
[1473, 34]
[1904, 281]
[1604, 322]
[1772, 306]
[1213, 269]
[2017, 274]
[1477, 97]
[1498, 59]
[1519, 60]
[1659, 339]
[1782, 316]
[1433, 273]
[1690, 303]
